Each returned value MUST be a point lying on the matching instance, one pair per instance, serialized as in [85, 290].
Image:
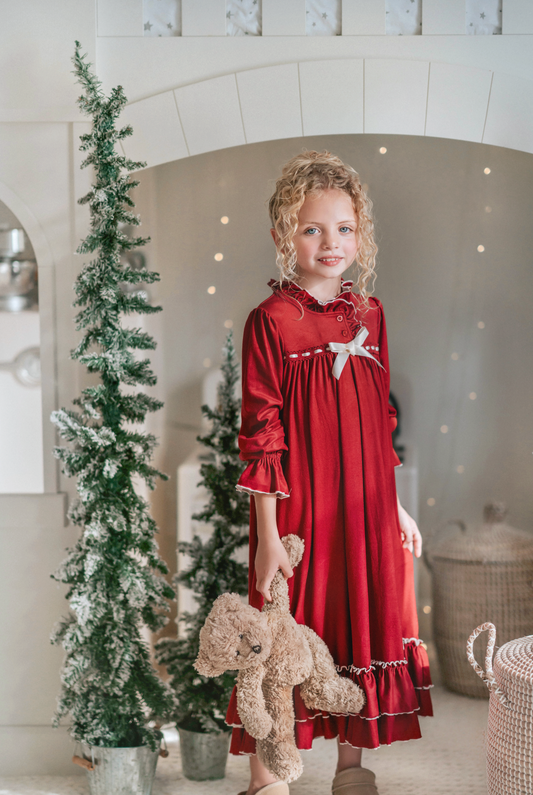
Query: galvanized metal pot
[204, 756]
[121, 771]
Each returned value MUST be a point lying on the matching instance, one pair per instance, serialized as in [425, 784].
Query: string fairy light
[472, 395]
[212, 290]
[481, 249]
[431, 502]
[219, 257]
[454, 356]
[486, 170]
[460, 469]
[382, 150]
[444, 429]
[481, 324]
[207, 362]
[224, 219]
[228, 324]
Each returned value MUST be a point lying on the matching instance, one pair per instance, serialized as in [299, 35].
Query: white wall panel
[395, 96]
[457, 101]
[210, 114]
[157, 134]
[203, 17]
[283, 17]
[363, 17]
[270, 103]
[517, 16]
[120, 17]
[332, 97]
[510, 114]
[444, 17]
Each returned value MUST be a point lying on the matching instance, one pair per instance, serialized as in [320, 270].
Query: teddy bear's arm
[324, 689]
[251, 702]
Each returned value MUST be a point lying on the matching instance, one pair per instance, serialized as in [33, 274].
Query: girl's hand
[411, 538]
[270, 556]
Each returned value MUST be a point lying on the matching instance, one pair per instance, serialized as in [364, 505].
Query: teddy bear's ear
[205, 666]
[294, 547]
[227, 603]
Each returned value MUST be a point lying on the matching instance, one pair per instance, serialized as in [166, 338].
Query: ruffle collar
[305, 299]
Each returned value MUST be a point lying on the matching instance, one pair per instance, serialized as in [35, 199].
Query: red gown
[323, 445]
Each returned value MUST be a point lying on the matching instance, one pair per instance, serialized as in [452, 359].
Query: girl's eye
[345, 229]
[311, 231]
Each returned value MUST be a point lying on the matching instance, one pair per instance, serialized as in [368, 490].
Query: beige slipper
[277, 788]
[354, 781]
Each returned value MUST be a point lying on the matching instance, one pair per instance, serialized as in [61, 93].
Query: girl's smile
[326, 242]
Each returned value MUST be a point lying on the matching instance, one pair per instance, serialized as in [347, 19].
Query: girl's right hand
[270, 556]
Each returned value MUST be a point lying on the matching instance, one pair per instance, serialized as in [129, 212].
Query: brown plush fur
[273, 653]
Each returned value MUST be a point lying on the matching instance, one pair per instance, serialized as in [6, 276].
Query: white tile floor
[448, 760]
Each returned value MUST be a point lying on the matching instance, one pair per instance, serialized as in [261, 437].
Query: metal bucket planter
[204, 756]
[120, 771]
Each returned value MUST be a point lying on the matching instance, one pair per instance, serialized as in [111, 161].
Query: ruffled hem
[264, 476]
[396, 695]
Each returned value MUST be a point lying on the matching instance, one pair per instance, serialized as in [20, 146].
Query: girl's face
[326, 240]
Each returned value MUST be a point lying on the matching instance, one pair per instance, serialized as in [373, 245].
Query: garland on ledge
[213, 569]
[114, 572]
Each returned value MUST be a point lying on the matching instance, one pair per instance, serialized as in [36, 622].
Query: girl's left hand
[411, 538]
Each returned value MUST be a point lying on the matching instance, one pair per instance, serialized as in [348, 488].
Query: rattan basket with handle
[479, 575]
[510, 726]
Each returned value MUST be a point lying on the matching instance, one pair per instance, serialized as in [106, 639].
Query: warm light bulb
[488, 209]
[472, 395]
[211, 290]
[219, 257]
[460, 469]
[455, 356]
[224, 219]
[481, 324]
[228, 323]
[383, 150]
[431, 502]
[426, 609]
[481, 248]
[444, 429]
[486, 170]
[207, 362]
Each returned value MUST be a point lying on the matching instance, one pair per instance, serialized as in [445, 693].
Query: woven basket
[510, 727]
[478, 576]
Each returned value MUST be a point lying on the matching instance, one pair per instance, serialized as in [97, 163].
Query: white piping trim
[340, 715]
[279, 494]
[373, 663]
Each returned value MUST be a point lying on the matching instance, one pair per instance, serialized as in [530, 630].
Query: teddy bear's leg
[324, 689]
[278, 751]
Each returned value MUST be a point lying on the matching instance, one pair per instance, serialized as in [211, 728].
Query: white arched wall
[398, 96]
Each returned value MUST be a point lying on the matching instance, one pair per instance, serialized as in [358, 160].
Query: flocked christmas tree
[114, 572]
[213, 568]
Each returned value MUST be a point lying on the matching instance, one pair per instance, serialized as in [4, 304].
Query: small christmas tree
[213, 569]
[114, 572]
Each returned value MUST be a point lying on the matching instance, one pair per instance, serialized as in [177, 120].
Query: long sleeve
[262, 435]
[384, 353]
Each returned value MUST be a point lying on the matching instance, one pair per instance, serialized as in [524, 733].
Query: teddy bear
[272, 654]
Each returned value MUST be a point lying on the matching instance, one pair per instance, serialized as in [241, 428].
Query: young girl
[316, 429]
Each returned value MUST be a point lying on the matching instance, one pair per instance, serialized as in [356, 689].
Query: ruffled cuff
[264, 476]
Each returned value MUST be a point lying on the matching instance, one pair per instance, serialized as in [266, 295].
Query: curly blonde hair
[309, 174]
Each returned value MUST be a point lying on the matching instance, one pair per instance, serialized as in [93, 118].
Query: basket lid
[516, 659]
[492, 542]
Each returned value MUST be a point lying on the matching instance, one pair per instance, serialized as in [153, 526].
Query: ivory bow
[346, 349]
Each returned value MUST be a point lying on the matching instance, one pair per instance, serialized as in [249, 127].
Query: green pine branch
[213, 569]
[114, 573]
